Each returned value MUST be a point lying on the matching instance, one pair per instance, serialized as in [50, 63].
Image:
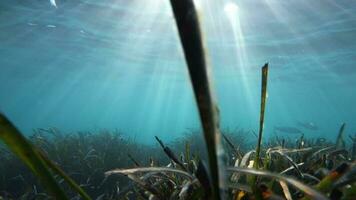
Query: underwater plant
[86, 156]
[36, 160]
[193, 48]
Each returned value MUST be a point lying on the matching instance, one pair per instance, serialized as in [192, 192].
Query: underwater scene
[178, 99]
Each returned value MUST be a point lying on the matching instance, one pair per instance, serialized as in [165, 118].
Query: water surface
[89, 65]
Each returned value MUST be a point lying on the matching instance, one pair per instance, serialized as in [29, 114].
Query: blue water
[91, 65]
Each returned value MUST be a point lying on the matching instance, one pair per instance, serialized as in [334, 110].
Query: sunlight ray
[232, 12]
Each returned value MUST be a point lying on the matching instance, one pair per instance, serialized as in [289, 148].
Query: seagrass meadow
[84, 117]
[107, 166]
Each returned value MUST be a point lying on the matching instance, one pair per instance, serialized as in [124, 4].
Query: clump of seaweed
[302, 170]
[86, 156]
[176, 170]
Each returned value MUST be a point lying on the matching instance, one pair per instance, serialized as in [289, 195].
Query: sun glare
[233, 15]
[197, 4]
[231, 9]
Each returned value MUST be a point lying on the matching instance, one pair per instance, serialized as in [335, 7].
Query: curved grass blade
[322, 151]
[290, 160]
[306, 189]
[311, 177]
[246, 158]
[145, 185]
[244, 163]
[286, 191]
[186, 189]
[190, 35]
[289, 151]
[61, 173]
[149, 169]
[129, 187]
[19, 145]
[142, 181]
[338, 152]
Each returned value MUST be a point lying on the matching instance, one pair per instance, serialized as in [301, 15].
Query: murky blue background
[91, 65]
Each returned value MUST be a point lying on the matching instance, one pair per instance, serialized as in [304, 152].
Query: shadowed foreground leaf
[190, 35]
[19, 145]
[202, 176]
[326, 184]
[69, 180]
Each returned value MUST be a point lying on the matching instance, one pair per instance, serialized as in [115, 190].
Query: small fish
[308, 125]
[53, 3]
[31, 24]
[286, 129]
[51, 26]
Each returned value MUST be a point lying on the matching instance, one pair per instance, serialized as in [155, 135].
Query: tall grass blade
[252, 179]
[170, 154]
[19, 145]
[191, 39]
[137, 164]
[232, 147]
[340, 142]
[262, 113]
